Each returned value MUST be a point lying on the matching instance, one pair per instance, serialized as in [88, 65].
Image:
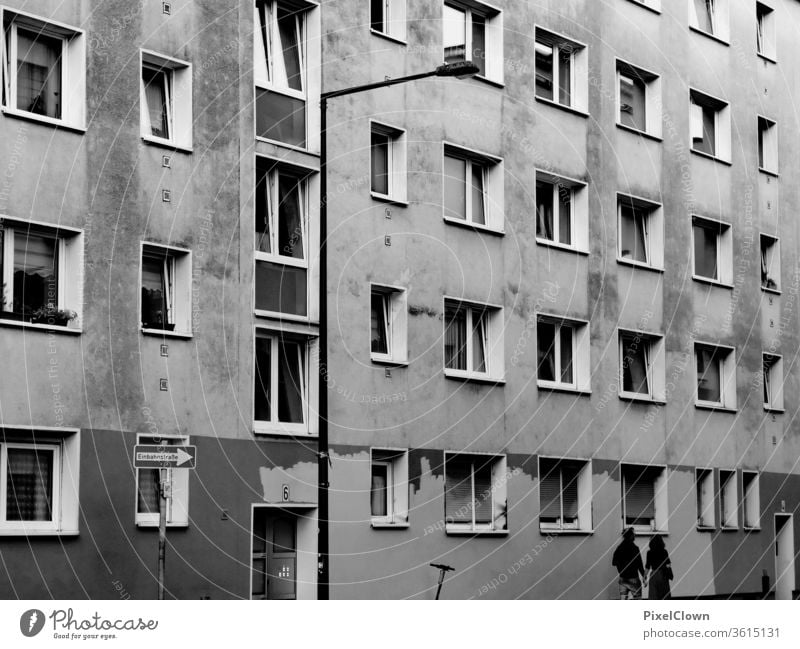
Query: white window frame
[770, 253]
[396, 318]
[655, 360]
[654, 232]
[581, 354]
[178, 504]
[660, 501]
[178, 77]
[705, 496]
[699, 100]
[584, 523]
[726, 356]
[499, 487]
[55, 505]
[70, 270]
[768, 145]
[720, 21]
[728, 500]
[494, 347]
[396, 487]
[397, 166]
[724, 260]
[766, 40]
[579, 211]
[652, 98]
[773, 378]
[493, 35]
[751, 500]
[73, 67]
[178, 269]
[493, 188]
[393, 20]
[579, 69]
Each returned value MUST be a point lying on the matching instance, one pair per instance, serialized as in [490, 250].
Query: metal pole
[162, 528]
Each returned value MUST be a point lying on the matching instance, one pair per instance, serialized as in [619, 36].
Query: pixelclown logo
[31, 622]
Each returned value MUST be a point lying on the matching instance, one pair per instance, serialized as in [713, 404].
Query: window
[43, 69]
[562, 73]
[388, 324]
[388, 162]
[562, 212]
[388, 17]
[565, 495]
[710, 124]
[166, 100]
[642, 366]
[563, 353]
[473, 188]
[767, 145]
[281, 384]
[710, 17]
[474, 32]
[713, 250]
[166, 289]
[729, 500]
[716, 376]
[639, 99]
[41, 272]
[773, 381]
[283, 29]
[473, 340]
[751, 500]
[475, 493]
[770, 263]
[765, 34]
[644, 497]
[148, 489]
[38, 482]
[641, 232]
[388, 487]
[281, 239]
[704, 486]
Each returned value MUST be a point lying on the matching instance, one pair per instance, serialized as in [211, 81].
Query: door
[274, 554]
[784, 556]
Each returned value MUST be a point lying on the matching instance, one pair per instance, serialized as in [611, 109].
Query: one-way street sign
[155, 456]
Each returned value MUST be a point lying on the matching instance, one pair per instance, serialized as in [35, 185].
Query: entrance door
[274, 554]
[784, 556]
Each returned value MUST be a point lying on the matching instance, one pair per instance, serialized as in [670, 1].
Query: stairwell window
[475, 497]
[473, 188]
[770, 263]
[563, 353]
[644, 497]
[565, 495]
[641, 232]
[473, 341]
[710, 125]
[716, 376]
[561, 70]
[704, 489]
[562, 212]
[773, 382]
[388, 17]
[473, 32]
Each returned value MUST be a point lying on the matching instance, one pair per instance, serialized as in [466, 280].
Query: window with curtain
[706, 251]
[639, 496]
[29, 483]
[465, 189]
[468, 490]
[555, 345]
[466, 338]
[280, 381]
[635, 362]
[558, 493]
[455, 338]
[554, 211]
[39, 73]
[770, 263]
[36, 282]
[379, 489]
[709, 375]
[633, 232]
[158, 95]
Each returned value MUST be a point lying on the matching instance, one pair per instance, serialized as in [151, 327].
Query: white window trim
[495, 325]
[653, 100]
[179, 104]
[655, 357]
[579, 211]
[579, 71]
[581, 354]
[768, 145]
[493, 188]
[397, 488]
[724, 251]
[766, 43]
[654, 236]
[704, 486]
[397, 166]
[660, 499]
[55, 505]
[728, 500]
[772, 261]
[499, 486]
[396, 324]
[493, 35]
[177, 513]
[585, 492]
[727, 373]
[720, 21]
[751, 500]
[178, 263]
[722, 125]
[775, 389]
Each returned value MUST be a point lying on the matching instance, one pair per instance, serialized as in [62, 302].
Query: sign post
[164, 458]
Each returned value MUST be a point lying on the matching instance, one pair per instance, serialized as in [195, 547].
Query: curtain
[263, 380]
[709, 387]
[455, 34]
[458, 490]
[546, 335]
[479, 340]
[544, 210]
[544, 70]
[478, 193]
[29, 485]
[379, 490]
[549, 492]
[564, 214]
[380, 163]
[156, 90]
[455, 339]
[455, 174]
[35, 272]
[39, 73]
[565, 334]
[379, 323]
[291, 383]
[640, 506]
[148, 501]
[290, 216]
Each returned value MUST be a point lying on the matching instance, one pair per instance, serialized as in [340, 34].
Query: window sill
[461, 375]
[774, 411]
[706, 528]
[165, 144]
[569, 109]
[473, 226]
[769, 172]
[286, 145]
[648, 7]
[450, 531]
[729, 528]
[22, 532]
[154, 525]
[638, 264]
[772, 291]
[388, 37]
[709, 156]
[751, 529]
[383, 198]
[715, 406]
[767, 58]
[557, 387]
[164, 333]
[561, 246]
[650, 532]
[711, 282]
[491, 82]
[559, 532]
[41, 327]
[713, 37]
[389, 526]
[639, 398]
[636, 131]
[281, 431]
[276, 315]
[21, 114]
[388, 362]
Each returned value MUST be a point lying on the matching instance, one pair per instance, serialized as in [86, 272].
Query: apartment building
[558, 299]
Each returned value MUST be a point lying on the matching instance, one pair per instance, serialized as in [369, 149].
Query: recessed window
[474, 32]
[43, 69]
[704, 489]
[473, 188]
[166, 289]
[713, 250]
[729, 500]
[642, 366]
[388, 162]
[561, 70]
[388, 17]
[716, 376]
[562, 212]
[751, 500]
[388, 324]
[565, 495]
[149, 486]
[281, 239]
[388, 487]
[166, 100]
[473, 340]
[773, 381]
[475, 493]
[563, 353]
[765, 34]
[710, 125]
[767, 145]
[644, 497]
[639, 99]
[41, 272]
[770, 263]
[710, 17]
[641, 232]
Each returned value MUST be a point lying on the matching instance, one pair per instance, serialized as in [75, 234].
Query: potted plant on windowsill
[51, 315]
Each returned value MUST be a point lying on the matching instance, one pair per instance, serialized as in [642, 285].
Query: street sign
[154, 456]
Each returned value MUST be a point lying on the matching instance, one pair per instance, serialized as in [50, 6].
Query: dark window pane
[634, 365]
[458, 496]
[380, 163]
[263, 379]
[35, 272]
[379, 490]
[709, 385]
[455, 201]
[280, 117]
[705, 252]
[632, 92]
[564, 215]
[282, 289]
[376, 14]
[155, 312]
[263, 208]
[483, 490]
[288, 30]
[544, 210]
[291, 383]
[633, 232]
[545, 334]
[290, 217]
[479, 43]
[566, 334]
[478, 194]
[39, 73]
[29, 485]
[544, 70]
[455, 339]
[379, 322]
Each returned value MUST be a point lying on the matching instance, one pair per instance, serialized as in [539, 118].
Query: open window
[473, 31]
[475, 496]
[710, 124]
[388, 17]
[765, 31]
[751, 500]
[770, 263]
[644, 497]
[148, 489]
[473, 341]
[639, 95]
[767, 145]
[43, 69]
[388, 487]
[388, 162]
[641, 232]
[166, 301]
[563, 353]
[473, 188]
[562, 72]
[704, 489]
[388, 324]
[642, 363]
[166, 100]
[710, 17]
[728, 500]
[773, 382]
[713, 250]
[716, 376]
[565, 495]
[562, 212]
